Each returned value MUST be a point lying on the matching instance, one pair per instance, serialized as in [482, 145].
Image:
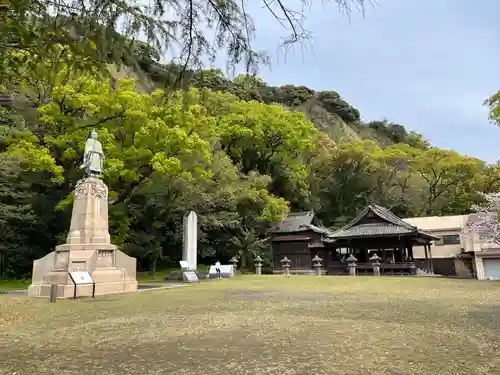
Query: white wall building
[464, 253]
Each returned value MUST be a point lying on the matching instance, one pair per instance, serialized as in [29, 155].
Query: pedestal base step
[67, 291]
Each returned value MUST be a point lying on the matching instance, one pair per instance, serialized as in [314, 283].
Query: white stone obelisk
[190, 240]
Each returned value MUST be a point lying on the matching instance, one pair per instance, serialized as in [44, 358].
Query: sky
[425, 64]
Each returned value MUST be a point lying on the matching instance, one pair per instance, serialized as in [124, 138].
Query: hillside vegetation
[329, 112]
[239, 152]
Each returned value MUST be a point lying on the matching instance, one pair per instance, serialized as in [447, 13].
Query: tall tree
[269, 140]
[344, 180]
[444, 171]
[488, 180]
[16, 215]
[228, 205]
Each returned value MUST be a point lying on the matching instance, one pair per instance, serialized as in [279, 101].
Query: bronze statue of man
[93, 157]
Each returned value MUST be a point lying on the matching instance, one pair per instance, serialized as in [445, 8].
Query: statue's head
[93, 134]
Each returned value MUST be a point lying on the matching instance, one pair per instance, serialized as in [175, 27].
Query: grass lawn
[14, 284]
[262, 325]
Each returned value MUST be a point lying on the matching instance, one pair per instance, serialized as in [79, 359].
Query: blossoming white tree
[486, 223]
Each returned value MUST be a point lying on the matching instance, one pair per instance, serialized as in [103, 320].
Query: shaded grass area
[160, 274]
[14, 284]
[262, 325]
[146, 277]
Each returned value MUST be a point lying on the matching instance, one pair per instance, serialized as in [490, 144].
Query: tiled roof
[391, 225]
[299, 222]
[295, 222]
[374, 229]
[319, 230]
[290, 238]
[385, 214]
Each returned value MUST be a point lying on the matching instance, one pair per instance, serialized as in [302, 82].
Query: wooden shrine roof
[298, 222]
[376, 221]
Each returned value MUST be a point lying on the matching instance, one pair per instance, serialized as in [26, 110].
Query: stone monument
[88, 245]
[190, 240]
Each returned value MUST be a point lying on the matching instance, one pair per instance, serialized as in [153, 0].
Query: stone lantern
[317, 265]
[234, 262]
[375, 259]
[413, 268]
[285, 264]
[351, 265]
[258, 265]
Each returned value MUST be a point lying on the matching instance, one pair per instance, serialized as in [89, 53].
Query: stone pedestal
[87, 248]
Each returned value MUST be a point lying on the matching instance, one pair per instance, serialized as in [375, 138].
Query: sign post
[53, 293]
[82, 278]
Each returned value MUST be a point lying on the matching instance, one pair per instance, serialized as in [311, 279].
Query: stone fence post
[285, 263]
[317, 265]
[351, 265]
[234, 262]
[375, 259]
[258, 265]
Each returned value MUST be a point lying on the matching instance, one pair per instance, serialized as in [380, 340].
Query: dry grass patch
[262, 325]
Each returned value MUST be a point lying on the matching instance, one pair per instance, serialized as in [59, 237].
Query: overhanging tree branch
[108, 30]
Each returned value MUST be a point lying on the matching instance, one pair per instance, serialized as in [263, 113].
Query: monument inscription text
[78, 266]
[105, 258]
